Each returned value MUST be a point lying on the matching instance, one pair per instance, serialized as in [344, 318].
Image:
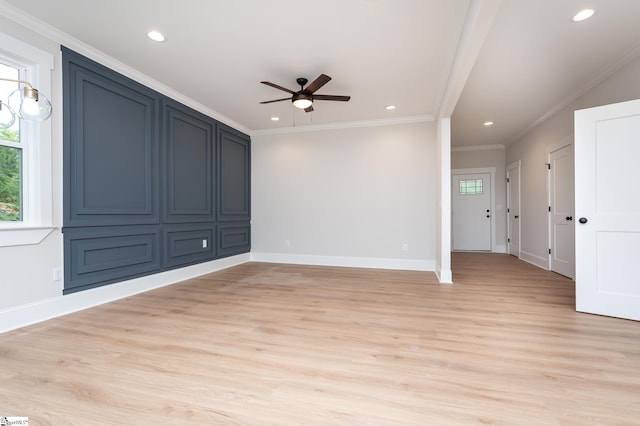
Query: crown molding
[476, 148]
[42, 28]
[344, 125]
[607, 72]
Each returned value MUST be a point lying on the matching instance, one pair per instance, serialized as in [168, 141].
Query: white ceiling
[377, 51]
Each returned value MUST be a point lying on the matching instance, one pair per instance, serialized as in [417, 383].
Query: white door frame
[562, 143]
[514, 166]
[492, 173]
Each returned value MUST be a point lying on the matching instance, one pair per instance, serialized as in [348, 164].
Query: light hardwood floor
[266, 344]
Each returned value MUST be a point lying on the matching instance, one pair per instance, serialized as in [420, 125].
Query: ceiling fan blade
[278, 87]
[317, 83]
[276, 100]
[331, 98]
[309, 108]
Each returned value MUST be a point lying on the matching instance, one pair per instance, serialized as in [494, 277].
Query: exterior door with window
[471, 212]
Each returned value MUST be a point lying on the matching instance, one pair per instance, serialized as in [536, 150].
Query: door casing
[492, 173]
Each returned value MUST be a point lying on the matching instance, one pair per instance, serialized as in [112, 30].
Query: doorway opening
[472, 209]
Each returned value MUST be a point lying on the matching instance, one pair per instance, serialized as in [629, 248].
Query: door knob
[583, 220]
[516, 216]
[569, 218]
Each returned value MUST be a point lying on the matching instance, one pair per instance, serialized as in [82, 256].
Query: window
[10, 155]
[471, 187]
[26, 212]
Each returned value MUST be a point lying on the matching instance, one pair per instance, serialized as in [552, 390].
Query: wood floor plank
[267, 344]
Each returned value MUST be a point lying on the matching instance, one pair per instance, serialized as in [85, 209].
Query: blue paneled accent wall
[149, 183]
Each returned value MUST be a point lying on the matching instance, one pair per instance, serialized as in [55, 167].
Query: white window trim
[37, 221]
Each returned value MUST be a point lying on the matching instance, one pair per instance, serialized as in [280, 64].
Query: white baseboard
[32, 313]
[21, 316]
[500, 249]
[351, 262]
[445, 276]
[539, 261]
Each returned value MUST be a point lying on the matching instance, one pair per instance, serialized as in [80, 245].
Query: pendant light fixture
[25, 103]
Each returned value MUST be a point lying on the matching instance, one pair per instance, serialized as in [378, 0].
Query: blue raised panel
[234, 238]
[189, 159]
[146, 180]
[102, 255]
[110, 143]
[234, 175]
[187, 244]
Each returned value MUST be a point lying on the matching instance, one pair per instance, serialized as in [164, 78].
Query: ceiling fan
[304, 97]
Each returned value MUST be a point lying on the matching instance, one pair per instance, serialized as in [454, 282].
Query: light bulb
[30, 105]
[302, 103]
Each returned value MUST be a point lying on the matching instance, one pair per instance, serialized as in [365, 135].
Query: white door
[513, 209]
[607, 151]
[561, 223]
[471, 210]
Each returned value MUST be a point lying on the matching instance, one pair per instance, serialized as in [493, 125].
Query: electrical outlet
[287, 243]
[405, 247]
[57, 274]
[204, 243]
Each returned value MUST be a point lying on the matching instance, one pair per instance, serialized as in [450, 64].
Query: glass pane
[10, 156]
[470, 187]
[10, 183]
[6, 88]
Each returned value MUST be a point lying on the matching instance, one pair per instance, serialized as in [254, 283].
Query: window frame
[35, 141]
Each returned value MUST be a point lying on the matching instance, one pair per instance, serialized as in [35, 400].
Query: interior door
[513, 209]
[471, 210]
[607, 152]
[561, 203]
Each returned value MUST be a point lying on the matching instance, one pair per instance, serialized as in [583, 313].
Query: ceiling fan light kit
[301, 100]
[304, 97]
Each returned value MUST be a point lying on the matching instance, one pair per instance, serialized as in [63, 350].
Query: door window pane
[471, 187]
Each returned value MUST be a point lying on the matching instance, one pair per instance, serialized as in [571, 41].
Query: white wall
[346, 196]
[484, 158]
[26, 272]
[533, 147]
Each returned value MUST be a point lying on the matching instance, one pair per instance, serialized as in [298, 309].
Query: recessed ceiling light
[488, 123]
[390, 107]
[583, 15]
[275, 118]
[155, 36]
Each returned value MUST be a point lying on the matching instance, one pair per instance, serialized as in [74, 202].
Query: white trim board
[32, 313]
[540, 262]
[347, 262]
[607, 72]
[343, 125]
[476, 148]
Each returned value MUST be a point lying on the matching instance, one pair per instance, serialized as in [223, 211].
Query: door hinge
[548, 166]
[549, 251]
[549, 209]
[508, 210]
[508, 240]
[508, 180]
